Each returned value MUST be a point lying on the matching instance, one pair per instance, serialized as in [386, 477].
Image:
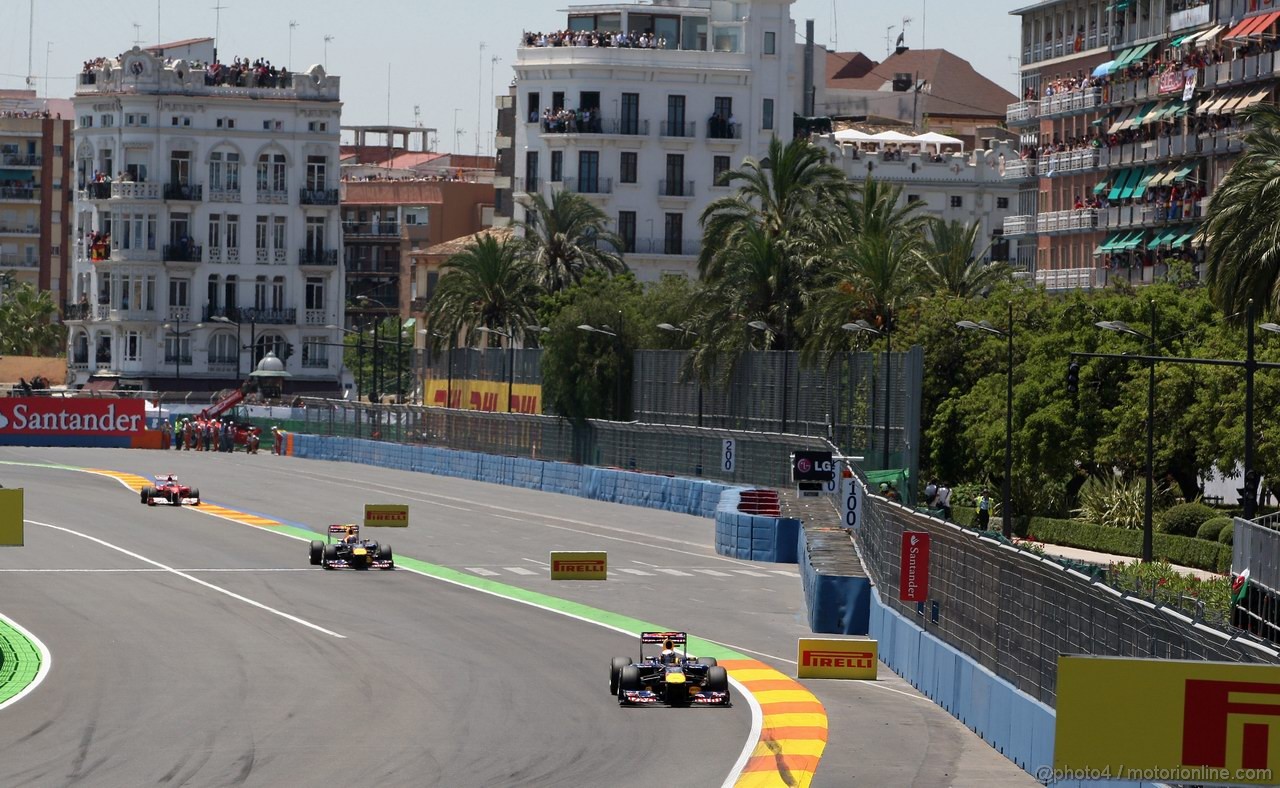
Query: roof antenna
[835, 31]
[31, 38]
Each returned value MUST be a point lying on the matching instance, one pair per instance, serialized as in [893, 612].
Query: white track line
[193, 579]
[749, 572]
[757, 716]
[675, 572]
[640, 572]
[713, 573]
[140, 571]
[519, 570]
[482, 572]
[46, 661]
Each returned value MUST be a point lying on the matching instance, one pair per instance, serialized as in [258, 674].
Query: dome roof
[270, 367]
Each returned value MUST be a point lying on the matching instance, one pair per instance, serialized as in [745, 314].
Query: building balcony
[246, 315]
[1020, 169]
[665, 246]
[618, 127]
[184, 253]
[1069, 161]
[77, 311]
[186, 81]
[1066, 221]
[9, 260]
[175, 358]
[184, 192]
[325, 257]
[273, 197]
[584, 185]
[671, 129]
[179, 313]
[19, 192]
[28, 230]
[1148, 214]
[723, 130]
[1022, 112]
[384, 230]
[123, 254]
[675, 188]
[317, 317]
[526, 185]
[318, 196]
[222, 254]
[224, 195]
[1070, 102]
[21, 160]
[120, 190]
[1070, 278]
[98, 190]
[1019, 225]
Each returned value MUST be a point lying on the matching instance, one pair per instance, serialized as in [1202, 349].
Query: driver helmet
[170, 478]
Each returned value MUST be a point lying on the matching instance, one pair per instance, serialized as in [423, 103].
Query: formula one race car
[350, 551]
[669, 675]
[168, 489]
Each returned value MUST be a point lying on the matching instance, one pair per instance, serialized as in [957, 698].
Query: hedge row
[1180, 550]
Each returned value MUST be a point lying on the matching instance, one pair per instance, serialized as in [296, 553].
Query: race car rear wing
[342, 529]
[676, 638]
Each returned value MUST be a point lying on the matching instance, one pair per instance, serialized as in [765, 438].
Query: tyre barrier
[837, 593]
[753, 537]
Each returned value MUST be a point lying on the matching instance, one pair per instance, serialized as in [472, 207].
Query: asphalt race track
[211, 653]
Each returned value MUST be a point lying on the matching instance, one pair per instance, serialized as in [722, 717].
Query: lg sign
[812, 466]
[56, 416]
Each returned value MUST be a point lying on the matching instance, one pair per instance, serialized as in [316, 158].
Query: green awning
[1177, 41]
[1177, 244]
[1183, 172]
[1134, 242]
[1163, 238]
[1130, 182]
[1117, 185]
[1148, 173]
[1142, 113]
[1100, 187]
[1144, 50]
[1124, 58]
[1108, 244]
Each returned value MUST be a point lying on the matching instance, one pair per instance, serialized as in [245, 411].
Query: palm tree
[488, 285]
[27, 323]
[787, 196]
[951, 263]
[568, 237]
[877, 207]
[1244, 221]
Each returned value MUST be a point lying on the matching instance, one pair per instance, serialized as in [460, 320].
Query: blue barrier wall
[753, 537]
[1011, 721]
[686, 496]
[835, 604]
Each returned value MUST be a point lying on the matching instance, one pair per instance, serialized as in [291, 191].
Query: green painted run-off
[19, 662]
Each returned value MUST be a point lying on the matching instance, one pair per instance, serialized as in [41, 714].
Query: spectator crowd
[595, 38]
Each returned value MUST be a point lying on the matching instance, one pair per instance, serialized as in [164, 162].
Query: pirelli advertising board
[386, 515]
[579, 566]
[830, 658]
[1175, 721]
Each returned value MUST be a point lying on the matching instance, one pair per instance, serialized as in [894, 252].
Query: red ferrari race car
[168, 489]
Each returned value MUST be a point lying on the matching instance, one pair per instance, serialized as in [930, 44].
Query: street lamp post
[359, 355]
[1006, 488]
[687, 332]
[1149, 494]
[617, 388]
[864, 326]
[760, 325]
[511, 358]
[175, 329]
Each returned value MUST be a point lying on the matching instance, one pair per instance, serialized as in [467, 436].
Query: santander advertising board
[50, 416]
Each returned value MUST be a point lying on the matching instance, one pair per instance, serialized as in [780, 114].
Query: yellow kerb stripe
[812, 747]
[773, 779]
[794, 721]
[749, 675]
[783, 696]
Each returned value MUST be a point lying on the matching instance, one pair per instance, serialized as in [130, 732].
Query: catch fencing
[1015, 612]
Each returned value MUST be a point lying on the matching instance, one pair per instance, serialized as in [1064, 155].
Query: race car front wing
[704, 698]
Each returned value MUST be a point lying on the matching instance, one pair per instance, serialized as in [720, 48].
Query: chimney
[808, 69]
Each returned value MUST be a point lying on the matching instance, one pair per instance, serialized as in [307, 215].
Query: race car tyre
[717, 679]
[330, 554]
[710, 662]
[629, 679]
[148, 492]
[317, 552]
[615, 670]
[176, 498]
[195, 493]
[385, 554]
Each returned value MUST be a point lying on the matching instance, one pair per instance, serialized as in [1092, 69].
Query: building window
[272, 173]
[86, 121]
[770, 43]
[1002, 203]
[222, 348]
[557, 166]
[108, 120]
[627, 231]
[317, 125]
[719, 166]
[531, 171]
[957, 201]
[767, 113]
[673, 234]
[132, 346]
[224, 171]
[535, 107]
[912, 198]
[317, 167]
[225, 123]
[315, 292]
[315, 352]
[178, 292]
[627, 167]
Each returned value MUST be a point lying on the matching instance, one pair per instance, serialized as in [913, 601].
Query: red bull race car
[668, 675]
[350, 551]
[168, 489]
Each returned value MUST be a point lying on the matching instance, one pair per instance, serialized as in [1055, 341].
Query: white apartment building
[653, 126]
[963, 187]
[207, 228]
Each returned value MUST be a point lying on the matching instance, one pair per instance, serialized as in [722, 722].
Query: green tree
[587, 374]
[954, 264]
[1243, 262]
[567, 238]
[488, 285]
[28, 323]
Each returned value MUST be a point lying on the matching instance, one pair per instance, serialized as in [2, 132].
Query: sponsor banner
[852, 502]
[386, 515]
[1189, 87]
[1173, 81]
[44, 417]
[913, 581]
[829, 658]
[487, 395]
[579, 566]
[1176, 721]
[11, 516]
[811, 466]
